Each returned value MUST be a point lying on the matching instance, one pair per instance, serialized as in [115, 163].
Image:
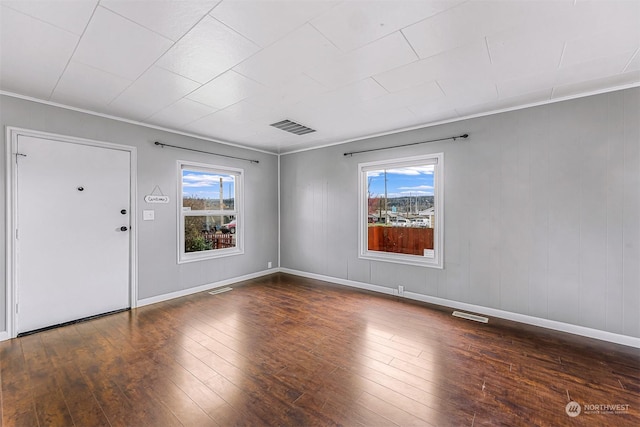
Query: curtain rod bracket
[162, 145]
[466, 135]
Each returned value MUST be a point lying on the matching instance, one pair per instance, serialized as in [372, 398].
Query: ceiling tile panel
[584, 72]
[34, 53]
[298, 89]
[70, 15]
[610, 65]
[386, 121]
[172, 19]
[506, 103]
[88, 87]
[208, 50]
[265, 22]
[180, 113]
[523, 85]
[353, 24]
[425, 93]
[467, 92]
[377, 57]
[600, 45]
[573, 89]
[301, 50]
[594, 16]
[355, 93]
[260, 115]
[433, 112]
[515, 55]
[455, 27]
[223, 126]
[325, 120]
[155, 90]
[225, 90]
[634, 63]
[118, 46]
[459, 63]
[476, 19]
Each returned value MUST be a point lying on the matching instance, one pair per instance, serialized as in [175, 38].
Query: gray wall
[158, 271]
[542, 209]
[542, 212]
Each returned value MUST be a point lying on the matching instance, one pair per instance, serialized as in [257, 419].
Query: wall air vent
[293, 127]
[220, 290]
[468, 316]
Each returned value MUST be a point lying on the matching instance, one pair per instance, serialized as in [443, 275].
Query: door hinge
[16, 234]
[17, 308]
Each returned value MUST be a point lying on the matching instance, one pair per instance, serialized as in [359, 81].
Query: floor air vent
[473, 317]
[220, 290]
[292, 127]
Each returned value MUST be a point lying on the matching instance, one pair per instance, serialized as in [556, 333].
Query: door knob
[123, 211]
[123, 228]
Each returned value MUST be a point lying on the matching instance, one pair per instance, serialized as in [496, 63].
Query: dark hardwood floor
[288, 351]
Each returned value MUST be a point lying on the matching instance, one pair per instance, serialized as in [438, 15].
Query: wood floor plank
[50, 405]
[185, 409]
[289, 351]
[84, 408]
[64, 349]
[254, 388]
[394, 415]
[339, 412]
[18, 404]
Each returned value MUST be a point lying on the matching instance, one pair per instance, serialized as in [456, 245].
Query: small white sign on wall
[156, 196]
[152, 198]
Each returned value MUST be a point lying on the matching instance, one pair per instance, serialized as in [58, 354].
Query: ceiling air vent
[293, 127]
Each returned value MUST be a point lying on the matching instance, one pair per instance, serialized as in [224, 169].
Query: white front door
[73, 239]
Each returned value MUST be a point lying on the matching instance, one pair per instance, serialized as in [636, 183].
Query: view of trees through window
[208, 210]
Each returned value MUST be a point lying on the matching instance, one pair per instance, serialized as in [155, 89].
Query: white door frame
[11, 157]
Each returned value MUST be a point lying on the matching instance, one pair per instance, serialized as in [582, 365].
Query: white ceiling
[227, 69]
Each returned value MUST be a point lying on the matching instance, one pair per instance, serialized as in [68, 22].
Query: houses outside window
[401, 212]
[210, 211]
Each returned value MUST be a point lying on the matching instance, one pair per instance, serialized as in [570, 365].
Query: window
[401, 210]
[210, 211]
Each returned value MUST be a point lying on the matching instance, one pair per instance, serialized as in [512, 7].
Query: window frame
[238, 212]
[438, 240]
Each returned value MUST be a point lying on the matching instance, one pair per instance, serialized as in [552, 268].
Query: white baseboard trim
[206, 287]
[345, 282]
[507, 315]
[4, 335]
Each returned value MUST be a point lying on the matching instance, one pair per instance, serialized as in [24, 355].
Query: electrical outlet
[269, 264]
[400, 290]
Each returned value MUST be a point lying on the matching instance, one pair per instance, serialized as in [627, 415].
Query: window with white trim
[401, 210]
[209, 211]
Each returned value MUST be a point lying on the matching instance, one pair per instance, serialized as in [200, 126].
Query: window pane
[205, 233]
[207, 191]
[401, 214]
